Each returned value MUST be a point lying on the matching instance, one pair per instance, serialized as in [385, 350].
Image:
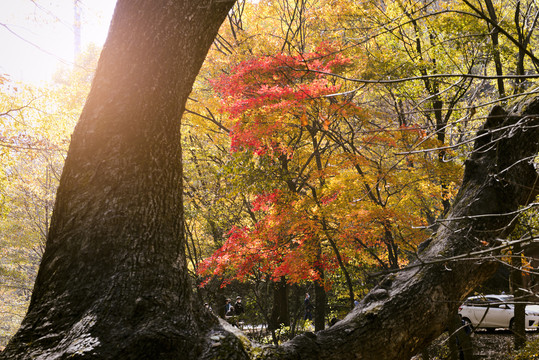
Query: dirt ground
[495, 345]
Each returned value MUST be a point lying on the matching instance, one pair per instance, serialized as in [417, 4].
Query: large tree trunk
[113, 281]
[412, 307]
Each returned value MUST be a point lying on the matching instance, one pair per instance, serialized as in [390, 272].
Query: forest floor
[497, 345]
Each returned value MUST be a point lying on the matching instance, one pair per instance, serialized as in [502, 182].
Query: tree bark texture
[409, 309]
[412, 307]
[279, 312]
[113, 282]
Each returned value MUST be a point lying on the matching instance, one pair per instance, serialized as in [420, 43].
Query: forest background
[323, 143]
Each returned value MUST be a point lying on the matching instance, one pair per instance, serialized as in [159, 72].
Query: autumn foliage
[342, 189]
[281, 244]
[268, 95]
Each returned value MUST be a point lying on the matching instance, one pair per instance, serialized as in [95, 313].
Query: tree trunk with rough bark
[280, 314]
[113, 283]
[412, 307]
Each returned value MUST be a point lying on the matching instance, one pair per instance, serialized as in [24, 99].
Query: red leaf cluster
[262, 93]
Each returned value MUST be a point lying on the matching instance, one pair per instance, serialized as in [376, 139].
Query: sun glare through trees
[343, 167]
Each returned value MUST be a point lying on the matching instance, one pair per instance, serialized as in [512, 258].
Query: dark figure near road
[308, 308]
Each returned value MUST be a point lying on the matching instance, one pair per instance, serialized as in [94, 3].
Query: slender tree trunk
[320, 301]
[519, 326]
[113, 281]
[342, 266]
[466, 344]
[460, 344]
[440, 135]
[521, 54]
[392, 248]
[453, 342]
[494, 34]
[280, 313]
[320, 296]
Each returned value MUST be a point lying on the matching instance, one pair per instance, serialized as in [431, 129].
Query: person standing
[229, 308]
[238, 306]
[308, 308]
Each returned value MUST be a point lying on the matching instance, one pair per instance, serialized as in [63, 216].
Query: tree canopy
[377, 154]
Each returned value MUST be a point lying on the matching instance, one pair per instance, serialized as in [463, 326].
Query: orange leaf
[325, 124]
[304, 120]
